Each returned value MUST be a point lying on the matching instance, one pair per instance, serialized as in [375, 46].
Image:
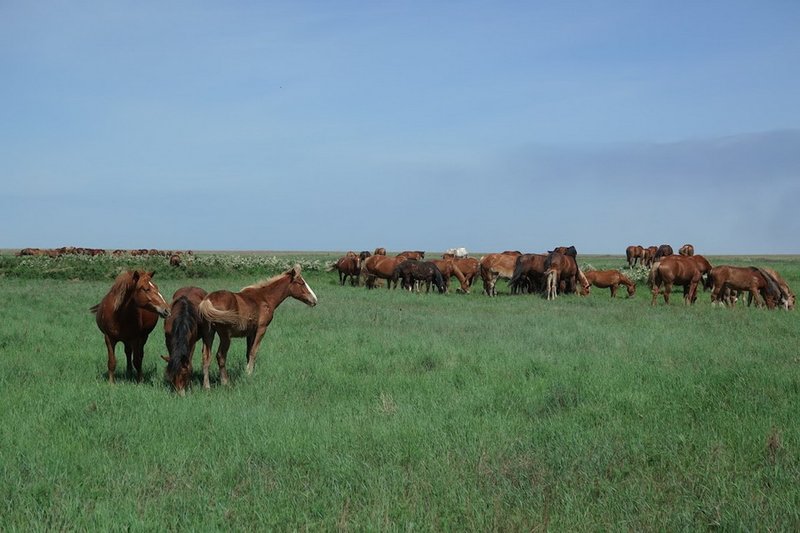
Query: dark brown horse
[127, 314]
[675, 270]
[247, 313]
[449, 269]
[686, 249]
[745, 279]
[665, 250]
[562, 274]
[528, 274]
[380, 266]
[787, 296]
[634, 254]
[413, 271]
[608, 279]
[182, 329]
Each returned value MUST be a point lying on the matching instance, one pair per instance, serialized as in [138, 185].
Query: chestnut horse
[495, 266]
[786, 293]
[379, 251]
[634, 253]
[686, 249]
[182, 329]
[247, 313]
[127, 314]
[562, 274]
[665, 250]
[409, 254]
[449, 269]
[380, 266]
[348, 265]
[608, 279]
[470, 267]
[649, 255]
[747, 279]
[675, 270]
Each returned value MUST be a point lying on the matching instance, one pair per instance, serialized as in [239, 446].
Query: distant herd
[557, 272]
[130, 310]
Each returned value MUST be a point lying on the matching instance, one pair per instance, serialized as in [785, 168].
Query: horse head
[146, 294]
[299, 289]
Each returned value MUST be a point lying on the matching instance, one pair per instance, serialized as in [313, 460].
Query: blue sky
[424, 125]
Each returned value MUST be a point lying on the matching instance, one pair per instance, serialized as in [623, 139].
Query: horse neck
[275, 293]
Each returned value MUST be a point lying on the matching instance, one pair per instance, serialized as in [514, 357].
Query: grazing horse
[675, 270]
[665, 250]
[608, 279]
[634, 253]
[449, 269]
[409, 254]
[528, 274]
[747, 279]
[182, 329]
[470, 267]
[412, 270]
[380, 266]
[495, 266]
[379, 251]
[348, 265]
[649, 255]
[127, 314]
[247, 313]
[787, 295]
[687, 250]
[562, 274]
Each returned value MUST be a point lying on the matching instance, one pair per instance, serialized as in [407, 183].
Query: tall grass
[387, 410]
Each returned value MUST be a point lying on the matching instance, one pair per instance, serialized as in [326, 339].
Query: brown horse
[409, 254]
[687, 250]
[634, 253]
[649, 255]
[380, 266]
[608, 279]
[675, 270]
[379, 251]
[787, 295]
[127, 314]
[470, 267]
[745, 279]
[528, 274]
[704, 267]
[449, 269]
[562, 274]
[348, 265]
[494, 267]
[182, 329]
[247, 313]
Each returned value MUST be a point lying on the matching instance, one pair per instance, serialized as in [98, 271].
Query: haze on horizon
[308, 126]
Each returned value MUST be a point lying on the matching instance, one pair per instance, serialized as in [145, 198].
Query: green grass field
[389, 410]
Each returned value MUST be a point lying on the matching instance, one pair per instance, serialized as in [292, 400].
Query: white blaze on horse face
[159, 292]
[313, 295]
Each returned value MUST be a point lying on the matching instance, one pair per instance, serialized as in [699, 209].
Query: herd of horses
[557, 272]
[129, 312]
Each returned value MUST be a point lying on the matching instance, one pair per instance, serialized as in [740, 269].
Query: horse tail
[551, 283]
[183, 325]
[651, 278]
[93, 309]
[773, 288]
[220, 316]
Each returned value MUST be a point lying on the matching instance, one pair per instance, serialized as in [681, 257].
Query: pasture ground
[390, 410]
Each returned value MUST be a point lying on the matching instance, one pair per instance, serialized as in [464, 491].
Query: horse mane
[264, 282]
[121, 287]
[773, 288]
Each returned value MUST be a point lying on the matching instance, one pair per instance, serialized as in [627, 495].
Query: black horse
[412, 271]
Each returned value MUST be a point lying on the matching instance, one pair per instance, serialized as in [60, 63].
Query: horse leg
[251, 357]
[614, 291]
[667, 290]
[655, 290]
[251, 337]
[112, 359]
[129, 357]
[208, 340]
[138, 356]
[222, 355]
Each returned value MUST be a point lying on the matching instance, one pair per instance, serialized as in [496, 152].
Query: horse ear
[135, 276]
[153, 273]
[165, 358]
[296, 270]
